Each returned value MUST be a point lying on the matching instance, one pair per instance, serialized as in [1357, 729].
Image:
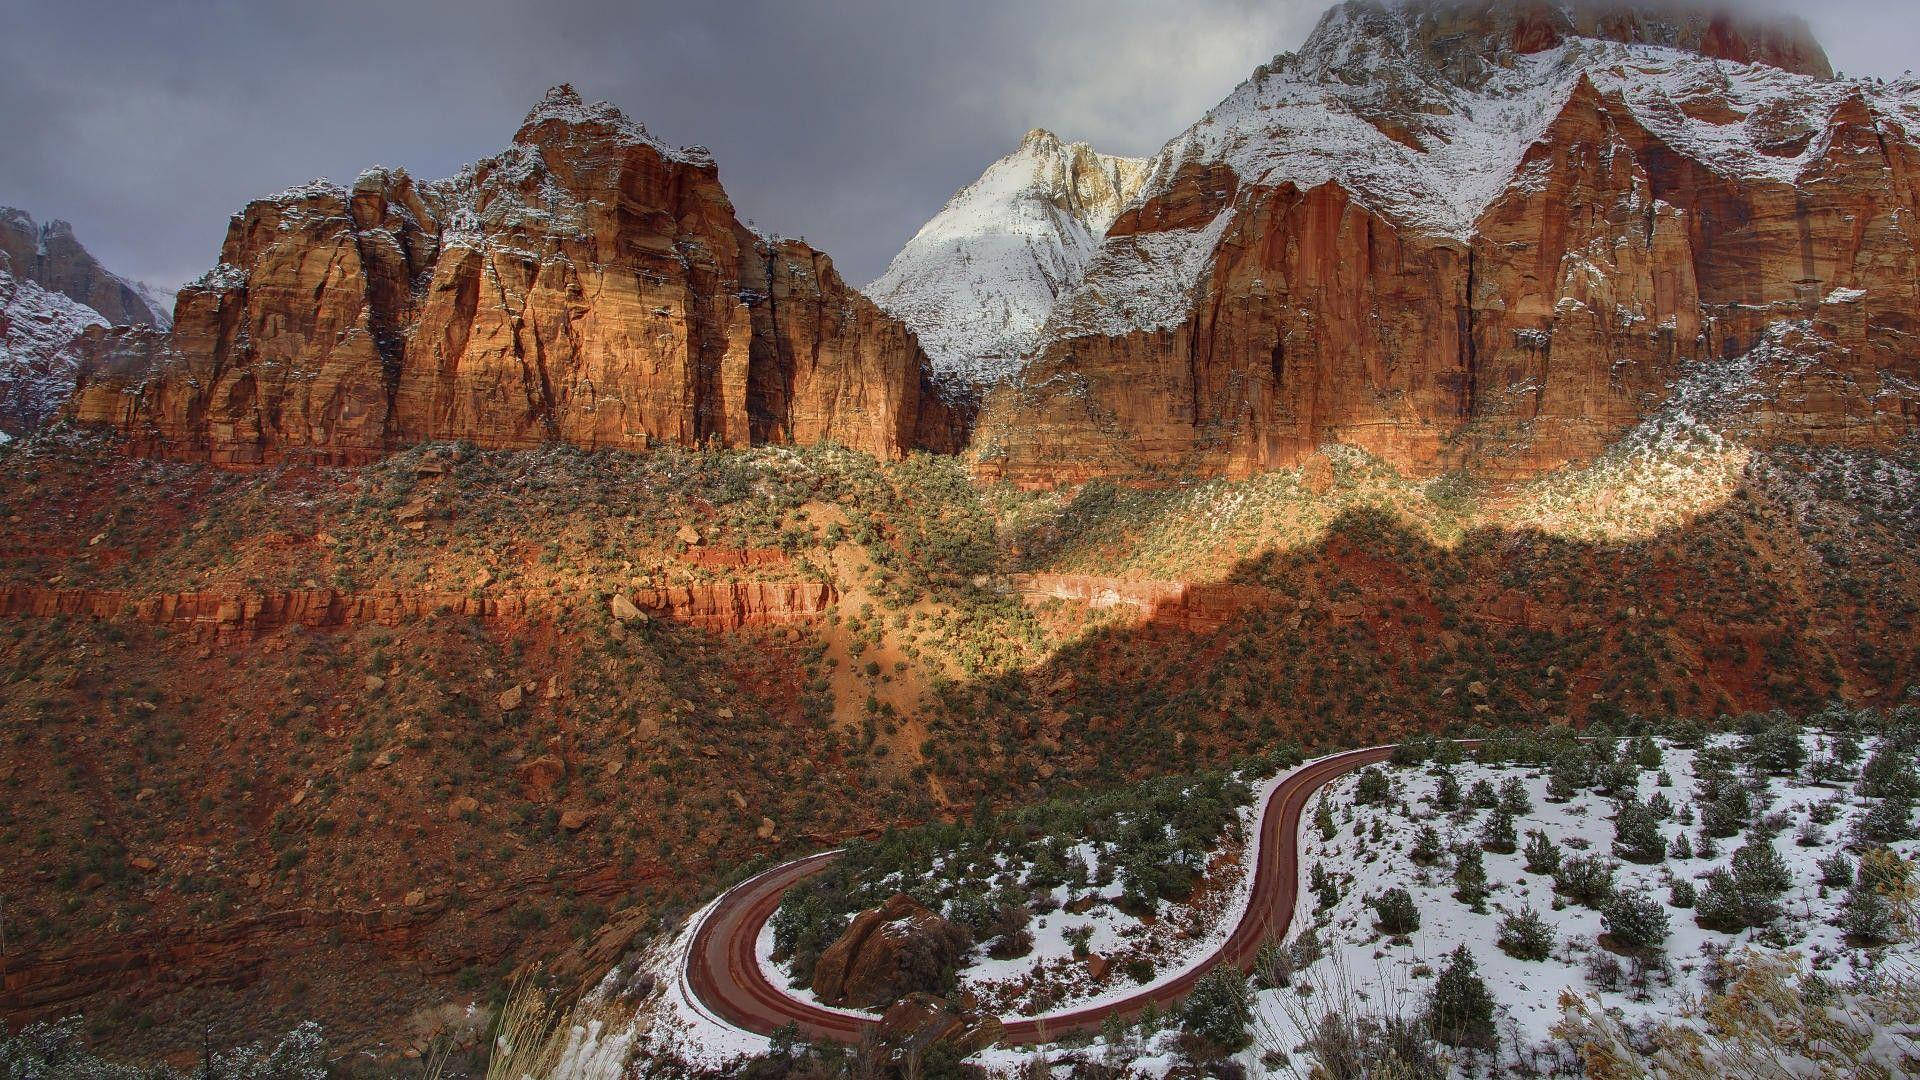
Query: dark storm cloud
[849, 123]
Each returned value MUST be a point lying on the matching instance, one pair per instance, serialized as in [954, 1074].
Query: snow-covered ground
[1050, 979]
[1366, 863]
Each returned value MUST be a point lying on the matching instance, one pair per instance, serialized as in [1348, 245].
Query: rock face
[589, 285]
[886, 953]
[1488, 234]
[52, 257]
[51, 289]
[978, 280]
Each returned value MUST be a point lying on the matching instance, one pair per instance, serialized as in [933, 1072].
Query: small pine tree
[1514, 798]
[1636, 835]
[1374, 787]
[1680, 848]
[1681, 894]
[1868, 917]
[1836, 870]
[1218, 1014]
[1470, 878]
[1427, 848]
[1498, 833]
[1323, 821]
[1524, 935]
[1543, 855]
[1888, 821]
[1460, 1011]
[1634, 920]
[1447, 795]
[1482, 796]
[1395, 912]
[1718, 905]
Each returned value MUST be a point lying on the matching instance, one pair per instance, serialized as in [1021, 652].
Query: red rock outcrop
[233, 616]
[590, 285]
[1670, 215]
[52, 257]
[887, 952]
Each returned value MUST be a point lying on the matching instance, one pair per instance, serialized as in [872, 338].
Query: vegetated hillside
[350, 744]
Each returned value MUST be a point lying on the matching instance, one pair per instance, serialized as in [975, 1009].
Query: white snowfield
[1359, 105]
[1400, 974]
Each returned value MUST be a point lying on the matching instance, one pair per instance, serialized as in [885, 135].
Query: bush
[1888, 821]
[1470, 878]
[1681, 893]
[1427, 848]
[1587, 880]
[1543, 855]
[1374, 787]
[1636, 835]
[1514, 798]
[1395, 912]
[1460, 1009]
[1524, 935]
[1498, 834]
[1218, 1014]
[1634, 920]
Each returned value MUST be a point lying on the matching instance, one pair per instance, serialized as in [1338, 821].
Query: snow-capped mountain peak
[979, 279]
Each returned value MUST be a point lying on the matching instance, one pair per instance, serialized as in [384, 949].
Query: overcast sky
[846, 122]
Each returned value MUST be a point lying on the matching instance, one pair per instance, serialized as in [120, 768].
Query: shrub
[1427, 847]
[1888, 821]
[1524, 935]
[1543, 855]
[1218, 1014]
[1681, 893]
[1470, 878]
[1514, 798]
[1374, 787]
[1460, 1009]
[1395, 912]
[1636, 835]
[1634, 920]
[1498, 833]
[1587, 880]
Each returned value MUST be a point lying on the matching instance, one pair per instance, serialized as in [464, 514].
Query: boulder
[886, 953]
[625, 611]
[511, 697]
[538, 778]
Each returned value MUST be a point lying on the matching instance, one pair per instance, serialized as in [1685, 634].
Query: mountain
[978, 280]
[51, 288]
[590, 285]
[1486, 234]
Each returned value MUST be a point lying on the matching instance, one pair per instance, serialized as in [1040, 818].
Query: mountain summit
[978, 280]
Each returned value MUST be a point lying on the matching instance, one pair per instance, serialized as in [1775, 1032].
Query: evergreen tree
[1323, 820]
[1634, 920]
[1888, 821]
[1680, 849]
[1395, 912]
[1446, 795]
[1470, 878]
[1498, 833]
[1525, 935]
[1514, 798]
[1777, 749]
[1890, 773]
[1460, 1011]
[1636, 835]
[1587, 880]
[1427, 848]
[1543, 856]
[1836, 870]
[1868, 917]
[1681, 894]
[1482, 796]
[1218, 1014]
[1374, 787]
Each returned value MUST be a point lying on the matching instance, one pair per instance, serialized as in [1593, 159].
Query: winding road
[724, 973]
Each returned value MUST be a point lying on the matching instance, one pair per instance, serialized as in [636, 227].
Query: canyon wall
[588, 286]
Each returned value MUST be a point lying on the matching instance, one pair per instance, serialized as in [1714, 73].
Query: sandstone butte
[588, 286]
[1609, 260]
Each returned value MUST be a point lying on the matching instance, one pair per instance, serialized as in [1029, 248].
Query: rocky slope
[589, 285]
[1489, 234]
[50, 290]
[977, 281]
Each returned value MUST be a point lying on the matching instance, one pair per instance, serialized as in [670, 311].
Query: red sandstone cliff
[589, 285]
[1490, 234]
